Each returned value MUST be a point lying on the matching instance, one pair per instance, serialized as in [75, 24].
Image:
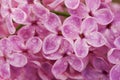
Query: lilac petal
[117, 42]
[51, 44]
[91, 26]
[115, 72]
[76, 21]
[10, 25]
[114, 56]
[5, 70]
[100, 64]
[59, 67]
[5, 46]
[103, 16]
[17, 60]
[55, 3]
[18, 15]
[96, 39]
[34, 45]
[93, 5]
[40, 11]
[81, 48]
[17, 43]
[76, 63]
[72, 4]
[26, 32]
[70, 31]
[81, 11]
[52, 23]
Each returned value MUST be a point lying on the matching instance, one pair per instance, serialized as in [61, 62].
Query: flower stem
[65, 14]
[19, 26]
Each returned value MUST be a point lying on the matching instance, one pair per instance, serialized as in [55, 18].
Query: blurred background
[116, 1]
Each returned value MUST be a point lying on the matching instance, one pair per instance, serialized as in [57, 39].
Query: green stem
[65, 14]
[19, 26]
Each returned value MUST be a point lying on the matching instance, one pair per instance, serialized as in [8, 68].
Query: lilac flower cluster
[59, 40]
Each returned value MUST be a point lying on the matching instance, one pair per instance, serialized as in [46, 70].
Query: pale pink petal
[34, 45]
[76, 21]
[93, 5]
[81, 48]
[10, 25]
[72, 4]
[18, 15]
[103, 16]
[5, 71]
[59, 68]
[52, 23]
[76, 63]
[51, 44]
[117, 42]
[70, 31]
[5, 46]
[96, 39]
[17, 43]
[81, 11]
[26, 32]
[114, 56]
[55, 3]
[40, 11]
[115, 72]
[17, 60]
[88, 25]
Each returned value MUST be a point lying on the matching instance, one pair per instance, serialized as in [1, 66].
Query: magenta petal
[59, 67]
[93, 5]
[26, 32]
[117, 42]
[10, 25]
[81, 48]
[96, 39]
[5, 71]
[51, 44]
[91, 26]
[114, 56]
[76, 63]
[34, 45]
[17, 60]
[99, 63]
[72, 4]
[115, 72]
[52, 23]
[104, 16]
[70, 31]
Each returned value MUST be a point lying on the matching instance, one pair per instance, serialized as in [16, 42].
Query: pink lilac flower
[103, 15]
